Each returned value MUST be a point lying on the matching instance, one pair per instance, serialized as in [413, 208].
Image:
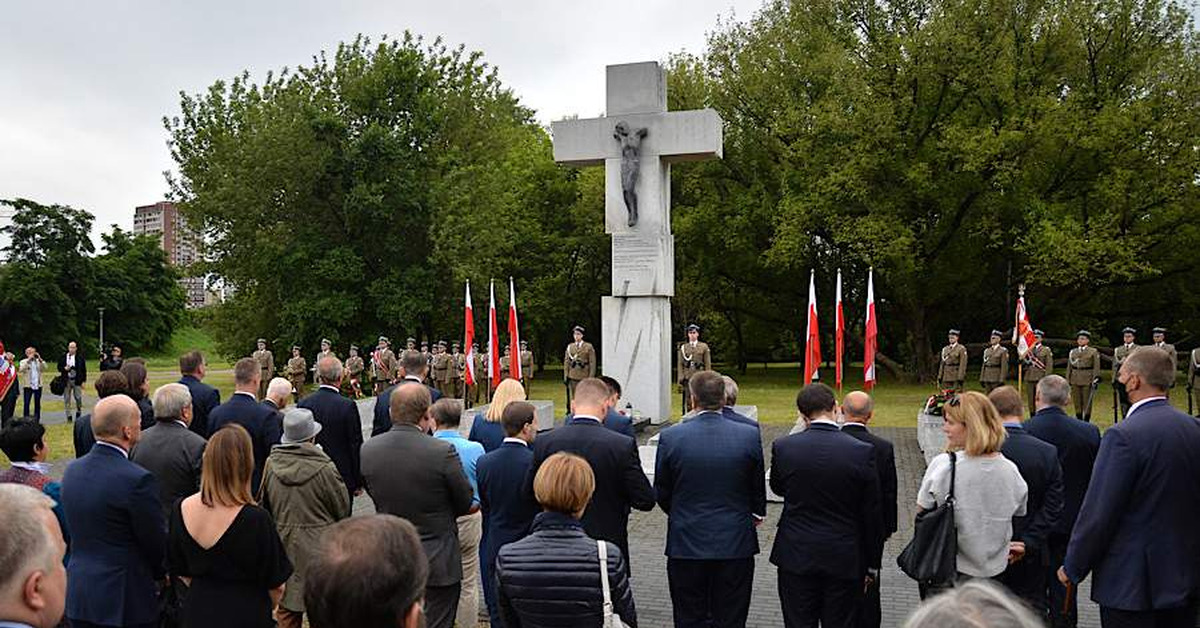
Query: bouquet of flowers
[935, 403]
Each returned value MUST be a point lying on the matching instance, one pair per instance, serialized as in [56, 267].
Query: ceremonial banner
[812, 344]
[469, 341]
[870, 333]
[493, 341]
[514, 334]
[8, 373]
[839, 333]
[1023, 331]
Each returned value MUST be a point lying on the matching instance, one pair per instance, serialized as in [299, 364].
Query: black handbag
[931, 556]
[58, 385]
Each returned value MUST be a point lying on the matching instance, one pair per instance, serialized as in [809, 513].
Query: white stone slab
[930, 436]
[543, 415]
[635, 88]
[647, 454]
[674, 136]
[643, 265]
[636, 341]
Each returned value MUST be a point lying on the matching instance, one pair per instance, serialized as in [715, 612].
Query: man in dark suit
[108, 384]
[118, 533]
[341, 427]
[708, 476]
[620, 483]
[1037, 461]
[413, 369]
[204, 397]
[1136, 531]
[507, 510]
[73, 369]
[279, 390]
[410, 474]
[731, 397]
[858, 408]
[244, 409]
[1076, 443]
[169, 450]
[613, 419]
[829, 531]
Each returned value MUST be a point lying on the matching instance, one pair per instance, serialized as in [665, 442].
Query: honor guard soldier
[477, 362]
[410, 346]
[693, 357]
[952, 371]
[266, 366]
[1160, 341]
[579, 363]
[296, 368]
[354, 372]
[441, 365]
[1039, 362]
[1083, 370]
[995, 363]
[325, 352]
[526, 365]
[506, 364]
[1120, 352]
[458, 364]
[383, 363]
[1193, 370]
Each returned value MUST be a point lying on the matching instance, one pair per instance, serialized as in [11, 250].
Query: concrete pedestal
[636, 333]
[543, 416]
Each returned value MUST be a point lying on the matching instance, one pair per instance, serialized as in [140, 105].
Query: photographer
[31, 370]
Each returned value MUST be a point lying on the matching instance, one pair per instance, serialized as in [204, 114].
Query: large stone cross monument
[637, 143]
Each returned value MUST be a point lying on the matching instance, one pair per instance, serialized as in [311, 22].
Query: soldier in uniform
[354, 372]
[526, 365]
[441, 365]
[1193, 369]
[458, 364]
[1120, 352]
[952, 371]
[579, 363]
[477, 363]
[693, 356]
[383, 363]
[1160, 341]
[1083, 368]
[1039, 362]
[296, 368]
[266, 366]
[506, 364]
[325, 352]
[995, 364]
[482, 377]
[428, 362]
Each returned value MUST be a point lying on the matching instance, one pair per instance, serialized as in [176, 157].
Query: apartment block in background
[181, 244]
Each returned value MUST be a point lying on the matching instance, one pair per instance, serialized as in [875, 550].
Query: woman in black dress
[224, 545]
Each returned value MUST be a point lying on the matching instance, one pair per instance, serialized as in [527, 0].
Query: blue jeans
[36, 394]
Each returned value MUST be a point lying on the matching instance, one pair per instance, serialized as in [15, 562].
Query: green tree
[139, 291]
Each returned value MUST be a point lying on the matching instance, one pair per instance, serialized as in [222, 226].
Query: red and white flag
[514, 334]
[839, 333]
[8, 373]
[469, 340]
[1023, 331]
[812, 343]
[493, 341]
[871, 331]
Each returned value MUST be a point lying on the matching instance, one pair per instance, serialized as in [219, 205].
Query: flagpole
[1017, 326]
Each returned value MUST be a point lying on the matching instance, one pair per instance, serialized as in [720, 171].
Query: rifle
[1091, 397]
[1116, 403]
[1189, 394]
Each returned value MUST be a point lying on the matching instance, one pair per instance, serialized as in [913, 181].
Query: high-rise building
[181, 244]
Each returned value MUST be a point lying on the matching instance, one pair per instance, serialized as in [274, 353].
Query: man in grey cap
[1039, 362]
[304, 493]
[354, 372]
[266, 365]
[325, 352]
[1120, 353]
[579, 363]
[1160, 341]
[995, 363]
[952, 370]
[1083, 370]
[383, 364]
[693, 357]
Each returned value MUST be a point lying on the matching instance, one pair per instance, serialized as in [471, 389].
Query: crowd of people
[185, 510]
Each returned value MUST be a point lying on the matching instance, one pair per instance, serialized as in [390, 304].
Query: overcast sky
[84, 85]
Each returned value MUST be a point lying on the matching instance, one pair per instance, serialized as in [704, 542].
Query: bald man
[118, 532]
[857, 409]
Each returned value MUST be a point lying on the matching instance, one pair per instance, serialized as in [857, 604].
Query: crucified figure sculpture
[631, 159]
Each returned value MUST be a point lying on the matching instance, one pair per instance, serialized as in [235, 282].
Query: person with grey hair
[170, 450]
[1076, 443]
[261, 423]
[278, 391]
[305, 495]
[1136, 531]
[731, 397]
[33, 583]
[341, 429]
[975, 604]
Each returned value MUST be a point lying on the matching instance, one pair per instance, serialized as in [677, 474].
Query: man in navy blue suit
[731, 396]
[204, 397]
[118, 533]
[613, 419]
[620, 483]
[341, 428]
[261, 422]
[507, 510]
[1037, 461]
[1136, 531]
[1076, 443]
[829, 529]
[413, 368]
[708, 476]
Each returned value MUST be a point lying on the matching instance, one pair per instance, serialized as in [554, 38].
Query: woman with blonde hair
[487, 429]
[223, 546]
[988, 489]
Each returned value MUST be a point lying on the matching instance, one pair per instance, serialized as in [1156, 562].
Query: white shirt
[330, 387]
[513, 439]
[40, 467]
[823, 422]
[587, 416]
[248, 394]
[70, 361]
[1143, 402]
[123, 452]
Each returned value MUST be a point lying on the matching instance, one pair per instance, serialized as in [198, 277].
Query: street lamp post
[101, 332]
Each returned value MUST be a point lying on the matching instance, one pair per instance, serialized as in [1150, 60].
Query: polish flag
[514, 335]
[812, 344]
[1023, 332]
[871, 332]
[493, 341]
[839, 333]
[8, 373]
[469, 340]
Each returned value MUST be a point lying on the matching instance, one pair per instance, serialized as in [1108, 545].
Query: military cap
[1129, 330]
[996, 333]
[953, 332]
[354, 347]
[411, 339]
[524, 344]
[578, 328]
[384, 340]
[295, 347]
[442, 344]
[1084, 333]
[474, 345]
[1039, 333]
[693, 327]
[424, 343]
[454, 345]
[1160, 330]
[325, 341]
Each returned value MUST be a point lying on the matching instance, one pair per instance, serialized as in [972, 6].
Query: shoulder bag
[931, 556]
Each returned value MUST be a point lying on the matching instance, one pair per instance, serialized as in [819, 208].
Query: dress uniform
[440, 368]
[477, 362]
[952, 371]
[354, 372]
[428, 363]
[1083, 368]
[1120, 352]
[296, 368]
[995, 364]
[693, 356]
[1160, 341]
[325, 352]
[410, 348]
[505, 364]
[458, 364]
[1193, 369]
[1039, 362]
[579, 363]
[266, 366]
[526, 365]
[383, 365]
